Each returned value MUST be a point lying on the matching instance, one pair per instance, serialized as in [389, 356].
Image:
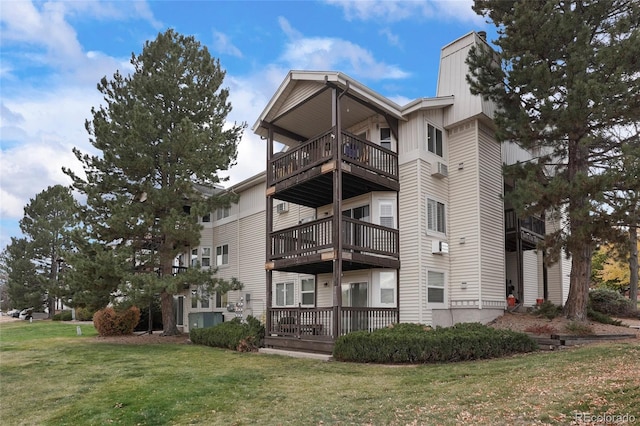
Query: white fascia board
[428, 103]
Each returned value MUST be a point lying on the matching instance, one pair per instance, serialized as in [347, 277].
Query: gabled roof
[302, 105]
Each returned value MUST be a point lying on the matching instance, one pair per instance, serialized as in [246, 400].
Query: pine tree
[564, 78]
[48, 221]
[163, 136]
[25, 287]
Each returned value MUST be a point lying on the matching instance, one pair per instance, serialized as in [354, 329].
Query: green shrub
[596, 316]
[236, 335]
[414, 343]
[63, 316]
[610, 302]
[110, 322]
[84, 314]
[579, 328]
[548, 310]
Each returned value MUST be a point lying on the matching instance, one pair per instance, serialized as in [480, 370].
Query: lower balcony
[316, 329]
[309, 247]
[529, 231]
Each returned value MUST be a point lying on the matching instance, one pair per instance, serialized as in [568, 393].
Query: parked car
[15, 313]
[26, 314]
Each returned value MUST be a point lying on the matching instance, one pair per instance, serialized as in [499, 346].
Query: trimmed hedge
[110, 322]
[611, 302]
[242, 337]
[63, 316]
[417, 344]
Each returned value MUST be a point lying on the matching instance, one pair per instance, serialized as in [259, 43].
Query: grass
[51, 376]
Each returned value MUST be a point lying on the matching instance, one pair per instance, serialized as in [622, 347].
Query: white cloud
[399, 10]
[327, 53]
[393, 39]
[222, 44]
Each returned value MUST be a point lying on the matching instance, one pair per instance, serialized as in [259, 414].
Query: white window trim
[392, 205]
[313, 291]
[285, 284]
[222, 263]
[436, 305]
[426, 141]
[436, 201]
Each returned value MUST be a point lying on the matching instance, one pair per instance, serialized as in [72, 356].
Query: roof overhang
[301, 108]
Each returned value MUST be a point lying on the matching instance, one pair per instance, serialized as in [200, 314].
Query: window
[194, 257]
[388, 288]
[221, 300]
[194, 299]
[284, 294]
[435, 288]
[308, 292]
[206, 218]
[435, 216]
[222, 255]
[204, 299]
[387, 218]
[385, 137]
[206, 257]
[434, 140]
[223, 212]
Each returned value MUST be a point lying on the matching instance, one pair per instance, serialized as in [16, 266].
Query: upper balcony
[309, 247]
[531, 229]
[302, 175]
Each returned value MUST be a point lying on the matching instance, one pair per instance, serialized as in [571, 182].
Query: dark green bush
[84, 314]
[610, 302]
[110, 322]
[243, 337]
[596, 316]
[548, 310]
[419, 344]
[63, 316]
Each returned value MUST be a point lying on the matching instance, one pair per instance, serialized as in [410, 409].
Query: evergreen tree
[164, 137]
[25, 288]
[565, 75]
[48, 221]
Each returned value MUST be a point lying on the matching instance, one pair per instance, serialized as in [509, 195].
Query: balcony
[309, 247]
[302, 174]
[316, 329]
[530, 230]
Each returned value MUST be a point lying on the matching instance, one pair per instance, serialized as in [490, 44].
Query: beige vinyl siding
[409, 217]
[412, 132]
[464, 250]
[252, 200]
[302, 91]
[451, 81]
[250, 250]
[530, 277]
[491, 219]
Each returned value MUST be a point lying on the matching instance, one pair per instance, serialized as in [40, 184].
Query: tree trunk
[169, 327]
[633, 265]
[576, 307]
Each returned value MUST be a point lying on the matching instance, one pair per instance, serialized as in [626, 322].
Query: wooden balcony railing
[317, 236]
[531, 223]
[319, 150]
[318, 323]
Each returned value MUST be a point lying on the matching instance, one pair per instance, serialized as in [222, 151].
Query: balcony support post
[337, 210]
[269, 226]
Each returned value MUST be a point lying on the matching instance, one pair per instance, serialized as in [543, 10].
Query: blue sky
[52, 54]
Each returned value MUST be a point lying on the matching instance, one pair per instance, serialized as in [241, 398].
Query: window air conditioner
[439, 247]
[439, 170]
[282, 207]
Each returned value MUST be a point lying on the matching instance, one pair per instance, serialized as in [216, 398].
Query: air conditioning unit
[439, 170]
[439, 247]
[282, 207]
[307, 219]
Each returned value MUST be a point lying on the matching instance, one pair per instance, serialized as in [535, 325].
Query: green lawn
[51, 376]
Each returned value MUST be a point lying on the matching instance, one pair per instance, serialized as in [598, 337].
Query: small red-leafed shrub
[110, 322]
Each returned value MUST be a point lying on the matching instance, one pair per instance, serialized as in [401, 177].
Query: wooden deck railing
[319, 150]
[317, 323]
[531, 223]
[316, 236]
